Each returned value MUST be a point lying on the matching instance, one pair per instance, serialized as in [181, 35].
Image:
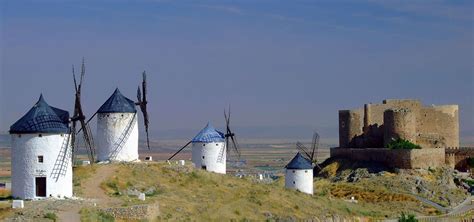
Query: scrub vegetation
[402, 144]
[184, 193]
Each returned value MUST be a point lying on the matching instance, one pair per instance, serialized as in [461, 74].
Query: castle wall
[460, 156]
[399, 124]
[377, 110]
[350, 126]
[429, 127]
[438, 126]
[399, 158]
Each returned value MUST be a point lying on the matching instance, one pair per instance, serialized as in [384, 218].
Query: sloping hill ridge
[184, 193]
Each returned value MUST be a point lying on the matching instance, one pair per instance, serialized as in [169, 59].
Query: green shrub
[402, 144]
[51, 216]
[407, 218]
[92, 215]
[470, 161]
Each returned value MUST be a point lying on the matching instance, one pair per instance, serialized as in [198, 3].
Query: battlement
[375, 125]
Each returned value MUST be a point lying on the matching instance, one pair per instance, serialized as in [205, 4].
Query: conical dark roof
[118, 103]
[42, 118]
[208, 134]
[299, 162]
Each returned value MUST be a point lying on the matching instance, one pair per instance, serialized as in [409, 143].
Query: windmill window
[122, 115]
[203, 157]
[293, 182]
[217, 144]
[40, 135]
[203, 144]
[19, 135]
[108, 115]
[40, 159]
[305, 171]
[293, 171]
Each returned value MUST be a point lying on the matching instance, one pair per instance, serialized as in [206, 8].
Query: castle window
[40, 159]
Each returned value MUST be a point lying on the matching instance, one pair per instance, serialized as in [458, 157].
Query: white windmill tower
[41, 153]
[117, 129]
[210, 147]
[208, 150]
[299, 174]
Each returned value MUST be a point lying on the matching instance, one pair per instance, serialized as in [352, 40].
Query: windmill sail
[79, 116]
[142, 102]
[62, 160]
[312, 153]
[230, 136]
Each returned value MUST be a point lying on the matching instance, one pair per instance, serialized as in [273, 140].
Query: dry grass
[5, 210]
[184, 193]
[368, 195]
[80, 174]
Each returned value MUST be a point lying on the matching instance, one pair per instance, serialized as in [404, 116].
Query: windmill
[142, 103]
[79, 116]
[312, 153]
[66, 155]
[229, 137]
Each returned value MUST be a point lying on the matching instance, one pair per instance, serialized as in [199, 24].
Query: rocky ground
[184, 193]
[436, 185]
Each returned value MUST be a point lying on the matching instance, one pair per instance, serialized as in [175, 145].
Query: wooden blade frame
[142, 102]
[182, 148]
[79, 116]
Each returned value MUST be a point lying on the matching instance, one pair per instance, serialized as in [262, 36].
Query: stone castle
[376, 125]
[365, 132]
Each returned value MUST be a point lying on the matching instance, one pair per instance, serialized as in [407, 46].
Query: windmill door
[40, 183]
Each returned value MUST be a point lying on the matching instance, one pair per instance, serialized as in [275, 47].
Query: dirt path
[92, 191]
[91, 186]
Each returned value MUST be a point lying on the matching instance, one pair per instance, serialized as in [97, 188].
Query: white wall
[210, 152]
[25, 167]
[110, 127]
[301, 180]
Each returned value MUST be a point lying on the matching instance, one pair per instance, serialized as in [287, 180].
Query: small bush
[402, 144]
[470, 161]
[51, 216]
[407, 218]
[90, 215]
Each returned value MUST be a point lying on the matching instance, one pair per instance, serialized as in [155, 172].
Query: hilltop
[184, 193]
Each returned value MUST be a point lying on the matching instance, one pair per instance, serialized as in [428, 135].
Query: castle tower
[349, 127]
[41, 153]
[299, 174]
[117, 129]
[367, 119]
[399, 123]
[209, 151]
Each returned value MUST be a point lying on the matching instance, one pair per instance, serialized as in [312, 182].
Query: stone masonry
[377, 124]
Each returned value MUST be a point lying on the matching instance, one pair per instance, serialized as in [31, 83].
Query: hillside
[183, 193]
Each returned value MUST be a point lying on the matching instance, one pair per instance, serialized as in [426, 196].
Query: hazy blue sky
[283, 65]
